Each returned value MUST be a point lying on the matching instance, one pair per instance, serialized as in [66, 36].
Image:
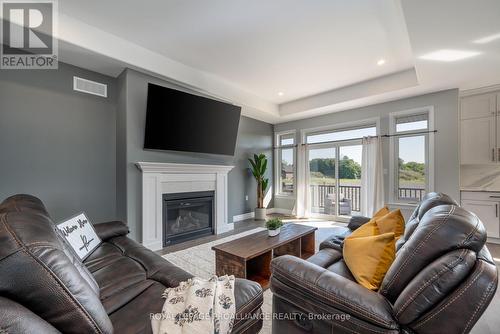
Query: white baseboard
[493, 241]
[243, 216]
[154, 246]
[280, 211]
[250, 215]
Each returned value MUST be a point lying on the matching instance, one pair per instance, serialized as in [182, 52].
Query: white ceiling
[455, 24]
[321, 54]
[298, 47]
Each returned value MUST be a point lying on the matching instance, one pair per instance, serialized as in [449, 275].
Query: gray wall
[446, 147]
[58, 144]
[253, 136]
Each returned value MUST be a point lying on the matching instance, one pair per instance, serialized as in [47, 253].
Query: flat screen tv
[180, 121]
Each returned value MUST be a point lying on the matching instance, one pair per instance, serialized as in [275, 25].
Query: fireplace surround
[169, 178]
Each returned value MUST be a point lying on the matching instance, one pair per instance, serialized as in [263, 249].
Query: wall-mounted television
[180, 121]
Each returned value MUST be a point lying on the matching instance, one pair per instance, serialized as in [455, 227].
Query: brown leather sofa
[441, 281]
[45, 288]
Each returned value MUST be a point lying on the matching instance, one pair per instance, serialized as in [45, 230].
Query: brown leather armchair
[45, 288]
[441, 281]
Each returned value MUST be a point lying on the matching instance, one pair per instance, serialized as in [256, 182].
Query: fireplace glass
[187, 216]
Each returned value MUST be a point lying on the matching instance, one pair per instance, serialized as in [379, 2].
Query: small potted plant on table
[274, 226]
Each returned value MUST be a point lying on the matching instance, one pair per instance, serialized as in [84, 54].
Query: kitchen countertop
[480, 178]
[479, 190]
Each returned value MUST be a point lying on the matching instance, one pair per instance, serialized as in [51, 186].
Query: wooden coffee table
[250, 257]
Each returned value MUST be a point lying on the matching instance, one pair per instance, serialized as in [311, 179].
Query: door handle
[493, 154]
[494, 196]
[496, 210]
[498, 158]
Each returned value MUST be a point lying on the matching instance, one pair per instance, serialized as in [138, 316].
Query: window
[411, 149]
[286, 163]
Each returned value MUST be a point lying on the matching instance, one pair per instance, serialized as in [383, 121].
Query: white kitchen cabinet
[478, 140]
[487, 211]
[480, 129]
[478, 106]
[498, 127]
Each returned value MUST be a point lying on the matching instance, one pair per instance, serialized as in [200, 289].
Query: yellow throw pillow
[382, 212]
[369, 258]
[391, 222]
[370, 228]
[366, 230]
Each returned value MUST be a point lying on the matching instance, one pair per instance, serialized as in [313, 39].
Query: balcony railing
[411, 193]
[319, 192]
[353, 193]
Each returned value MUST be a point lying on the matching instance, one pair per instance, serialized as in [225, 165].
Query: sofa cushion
[134, 316]
[124, 269]
[119, 277]
[325, 257]
[340, 268]
[331, 259]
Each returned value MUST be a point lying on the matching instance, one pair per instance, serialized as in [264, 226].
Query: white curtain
[301, 207]
[372, 177]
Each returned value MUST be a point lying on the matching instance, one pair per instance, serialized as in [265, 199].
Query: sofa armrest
[293, 277]
[111, 229]
[356, 221]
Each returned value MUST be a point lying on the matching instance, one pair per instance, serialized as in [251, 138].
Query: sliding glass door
[334, 173]
[334, 159]
[322, 180]
[349, 176]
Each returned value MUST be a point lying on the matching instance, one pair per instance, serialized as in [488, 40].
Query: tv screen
[181, 121]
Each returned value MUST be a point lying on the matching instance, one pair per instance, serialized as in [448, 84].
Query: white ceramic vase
[273, 233]
[260, 214]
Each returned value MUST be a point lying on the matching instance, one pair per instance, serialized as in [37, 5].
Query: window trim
[339, 127]
[393, 152]
[277, 163]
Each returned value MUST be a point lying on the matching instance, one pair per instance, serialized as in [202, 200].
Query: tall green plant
[259, 167]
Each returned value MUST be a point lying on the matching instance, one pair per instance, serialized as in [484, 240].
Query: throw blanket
[197, 306]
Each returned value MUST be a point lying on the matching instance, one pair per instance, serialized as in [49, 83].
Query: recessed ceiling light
[381, 62]
[487, 39]
[449, 55]
[281, 93]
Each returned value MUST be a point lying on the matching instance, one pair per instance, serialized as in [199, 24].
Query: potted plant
[274, 226]
[259, 167]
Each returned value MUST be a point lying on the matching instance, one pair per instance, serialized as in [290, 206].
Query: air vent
[90, 87]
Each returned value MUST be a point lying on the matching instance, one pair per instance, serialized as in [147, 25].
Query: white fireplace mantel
[164, 178]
